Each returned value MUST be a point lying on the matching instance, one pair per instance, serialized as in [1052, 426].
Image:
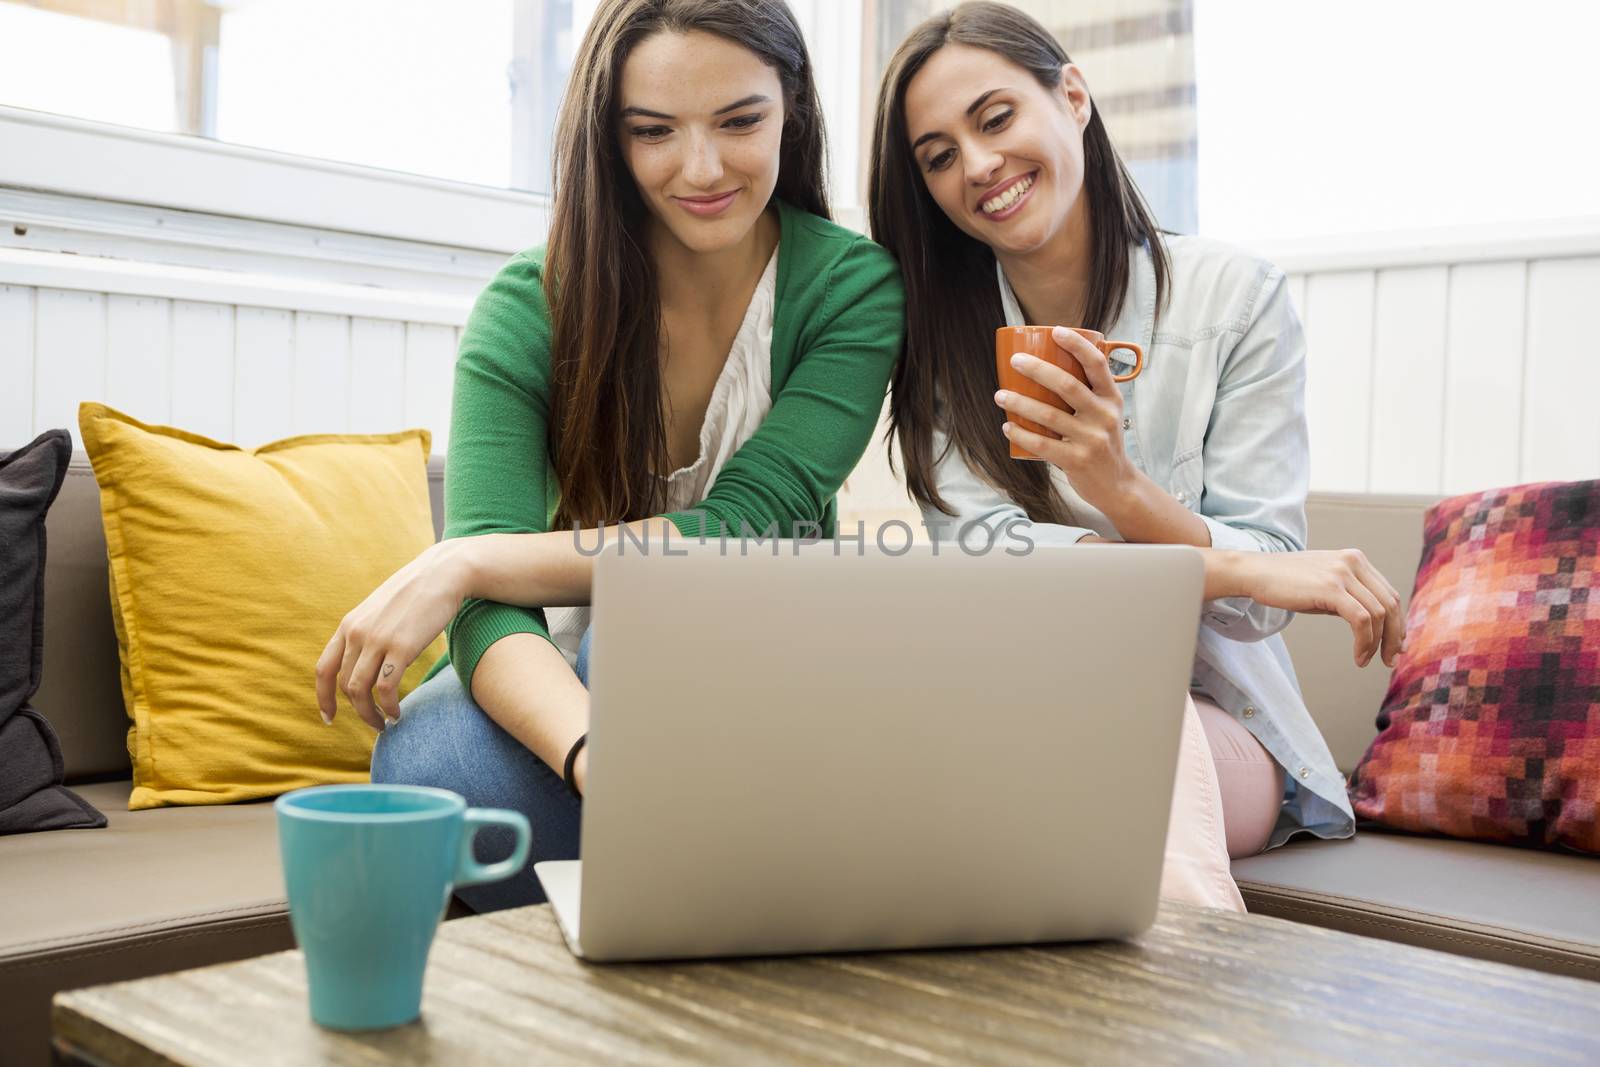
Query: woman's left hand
[382, 635]
[1321, 582]
[1090, 450]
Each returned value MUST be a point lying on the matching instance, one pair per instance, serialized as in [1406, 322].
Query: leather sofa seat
[1495, 902]
[172, 888]
[1527, 907]
[154, 891]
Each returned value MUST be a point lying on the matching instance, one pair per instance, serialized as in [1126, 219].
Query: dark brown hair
[606, 426]
[952, 301]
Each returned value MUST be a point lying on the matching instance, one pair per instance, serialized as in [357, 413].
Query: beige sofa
[153, 891]
[180, 887]
[1521, 906]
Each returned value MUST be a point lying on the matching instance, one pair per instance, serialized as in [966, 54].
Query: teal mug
[369, 869]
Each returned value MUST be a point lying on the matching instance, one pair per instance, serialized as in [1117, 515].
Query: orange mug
[1036, 341]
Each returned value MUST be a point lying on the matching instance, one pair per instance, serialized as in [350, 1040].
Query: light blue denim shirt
[1217, 418]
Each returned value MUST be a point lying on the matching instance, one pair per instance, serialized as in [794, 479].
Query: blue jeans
[445, 739]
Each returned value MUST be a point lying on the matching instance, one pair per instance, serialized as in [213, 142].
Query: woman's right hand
[1341, 582]
[376, 641]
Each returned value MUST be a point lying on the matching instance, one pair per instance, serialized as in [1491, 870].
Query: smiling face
[700, 125]
[1001, 154]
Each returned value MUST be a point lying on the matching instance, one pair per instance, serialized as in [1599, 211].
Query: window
[407, 85]
[419, 86]
[1250, 120]
[57, 62]
[461, 91]
[1343, 117]
[408, 91]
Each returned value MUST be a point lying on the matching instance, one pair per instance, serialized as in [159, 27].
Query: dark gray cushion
[31, 794]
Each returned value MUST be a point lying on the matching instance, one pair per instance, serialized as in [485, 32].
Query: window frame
[60, 154]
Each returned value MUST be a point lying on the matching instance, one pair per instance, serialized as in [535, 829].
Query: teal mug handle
[468, 870]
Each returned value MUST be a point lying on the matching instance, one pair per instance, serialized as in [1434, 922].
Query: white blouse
[739, 403]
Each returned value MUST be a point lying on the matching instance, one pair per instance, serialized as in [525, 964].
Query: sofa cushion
[1491, 726]
[229, 571]
[31, 794]
[32, 797]
[155, 891]
[81, 682]
[1496, 902]
[30, 478]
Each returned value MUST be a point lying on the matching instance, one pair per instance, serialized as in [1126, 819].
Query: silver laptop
[815, 749]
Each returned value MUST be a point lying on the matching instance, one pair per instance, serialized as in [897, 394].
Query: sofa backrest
[1344, 699]
[81, 691]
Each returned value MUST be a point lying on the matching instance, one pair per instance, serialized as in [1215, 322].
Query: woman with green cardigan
[697, 351]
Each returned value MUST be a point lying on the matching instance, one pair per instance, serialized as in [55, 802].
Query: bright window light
[1326, 117]
[67, 65]
[408, 85]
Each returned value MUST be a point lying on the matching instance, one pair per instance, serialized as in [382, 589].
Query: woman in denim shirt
[995, 185]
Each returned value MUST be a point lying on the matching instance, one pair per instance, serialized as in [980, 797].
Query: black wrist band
[572, 758]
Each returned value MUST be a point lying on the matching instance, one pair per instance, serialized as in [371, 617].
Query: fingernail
[1020, 359]
[390, 721]
[327, 720]
[1001, 397]
[1005, 428]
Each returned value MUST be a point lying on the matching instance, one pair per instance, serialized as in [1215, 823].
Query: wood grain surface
[1200, 986]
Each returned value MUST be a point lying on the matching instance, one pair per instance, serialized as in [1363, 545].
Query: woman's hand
[382, 635]
[1090, 447]
[1342, 583]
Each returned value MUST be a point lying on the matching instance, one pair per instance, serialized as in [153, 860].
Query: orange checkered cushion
[1491, 726]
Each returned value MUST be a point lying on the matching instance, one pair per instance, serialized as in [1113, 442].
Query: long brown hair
[606, 426]
[952, 301]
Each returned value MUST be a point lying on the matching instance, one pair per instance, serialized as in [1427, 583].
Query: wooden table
[1200, 986]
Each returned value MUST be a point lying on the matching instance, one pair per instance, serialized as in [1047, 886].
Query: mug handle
[1109, 347]
[468, 870]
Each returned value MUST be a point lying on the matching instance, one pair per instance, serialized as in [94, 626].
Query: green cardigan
[837, 330]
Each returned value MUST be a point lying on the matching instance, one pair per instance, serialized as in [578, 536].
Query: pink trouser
[1224, 804]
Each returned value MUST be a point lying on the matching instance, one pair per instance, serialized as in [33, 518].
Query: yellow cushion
[230, 570]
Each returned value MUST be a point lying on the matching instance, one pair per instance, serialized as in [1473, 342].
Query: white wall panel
[1421, 378]
[138, 356]
[430, 367]
[69, 356]
[1339, 378]
[202, 368]
[1408, 371]
[16, 366]
[242, 375]
[1482, 428]
[321, 373]
[263, 369]
[377, 376]
[1561, 428]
